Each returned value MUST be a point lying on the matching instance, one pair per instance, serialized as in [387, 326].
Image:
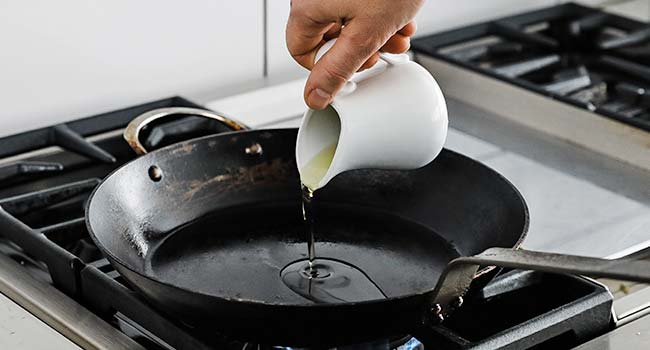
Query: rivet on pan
[458, 302]
[439, 318]
[254, 149]
[155, 174]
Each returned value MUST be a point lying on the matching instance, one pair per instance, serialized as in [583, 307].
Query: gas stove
[574, 72]
[49, 266]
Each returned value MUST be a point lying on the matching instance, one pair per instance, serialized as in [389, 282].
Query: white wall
[61, 60]
[280, 63]
[436, 15]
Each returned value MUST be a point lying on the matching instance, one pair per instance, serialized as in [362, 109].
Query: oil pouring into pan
[356, 132]
[208, 229]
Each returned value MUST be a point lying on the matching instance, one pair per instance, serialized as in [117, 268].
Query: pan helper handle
[458, 275]
[132, 131]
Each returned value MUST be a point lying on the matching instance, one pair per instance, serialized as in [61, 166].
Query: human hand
[363, 28]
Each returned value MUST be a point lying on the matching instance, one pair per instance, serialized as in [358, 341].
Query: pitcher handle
[351, 85]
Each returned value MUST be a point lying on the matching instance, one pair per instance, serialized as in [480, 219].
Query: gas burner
[579, 55]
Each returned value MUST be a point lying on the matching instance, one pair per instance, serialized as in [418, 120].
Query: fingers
[409, 29]
[333, 32]
[305, 37]
[354, 47]
[370, 62]
[401, 41]
[397, 44]
[356, 50]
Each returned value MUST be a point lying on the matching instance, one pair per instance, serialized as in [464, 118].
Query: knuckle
[365, 43]
[303, 60]
[335, 73]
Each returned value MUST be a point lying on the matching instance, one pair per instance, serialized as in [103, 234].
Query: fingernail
[319, 99]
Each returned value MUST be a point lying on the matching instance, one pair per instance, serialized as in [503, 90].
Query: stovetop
[578, 55]
[42, 197]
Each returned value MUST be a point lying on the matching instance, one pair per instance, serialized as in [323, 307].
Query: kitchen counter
[637, 9]
[580, 202]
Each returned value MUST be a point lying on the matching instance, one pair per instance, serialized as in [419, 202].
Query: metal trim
[59, 311]
[632, 307]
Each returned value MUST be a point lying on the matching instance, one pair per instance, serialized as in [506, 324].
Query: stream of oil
[324, 280]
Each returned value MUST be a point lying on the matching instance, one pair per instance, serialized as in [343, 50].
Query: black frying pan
[203, 228]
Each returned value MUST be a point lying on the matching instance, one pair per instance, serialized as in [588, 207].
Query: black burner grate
[572, 53]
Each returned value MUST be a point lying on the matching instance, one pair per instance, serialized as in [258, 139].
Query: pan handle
[132, 131]
[458, 275]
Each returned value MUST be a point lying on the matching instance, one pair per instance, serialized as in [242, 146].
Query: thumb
[354, 46]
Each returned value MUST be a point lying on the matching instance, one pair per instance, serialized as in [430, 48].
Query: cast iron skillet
[203, 228]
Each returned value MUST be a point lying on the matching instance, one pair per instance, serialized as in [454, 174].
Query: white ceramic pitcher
[391, 116]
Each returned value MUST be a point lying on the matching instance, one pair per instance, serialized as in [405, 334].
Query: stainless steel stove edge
[59, 311]
[635, 335]
[571, 124]
[628, 308]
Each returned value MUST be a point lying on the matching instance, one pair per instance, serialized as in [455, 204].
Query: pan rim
[112, 257]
